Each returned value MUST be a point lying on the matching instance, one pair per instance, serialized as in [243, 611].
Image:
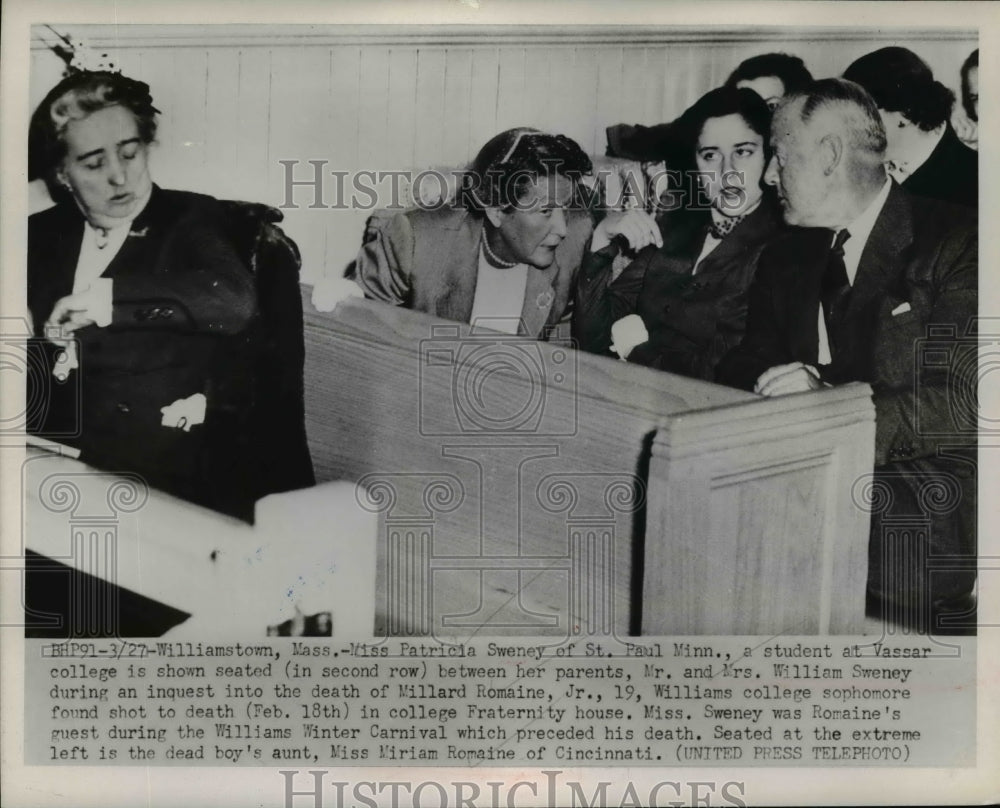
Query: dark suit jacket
[181, 298]
[692, 320]
[921, 262]
[428, 260]
[950, 174]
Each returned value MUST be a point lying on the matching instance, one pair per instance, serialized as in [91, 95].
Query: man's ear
[831, 150]
[495, 215]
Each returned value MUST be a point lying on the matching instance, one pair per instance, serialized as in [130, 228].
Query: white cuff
[101, 303]
[329, 291]
[626, 333]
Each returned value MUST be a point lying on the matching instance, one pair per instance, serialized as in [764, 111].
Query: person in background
[848, 294]
[681, 306]
[966, 120]
[504, 254]
[923, 153]
[770, 75]
[143, 309]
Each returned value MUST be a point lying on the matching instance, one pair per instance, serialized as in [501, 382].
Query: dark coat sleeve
[926, 366]
[599, 302]
[384, 266]
[765, 342]
[199, 284]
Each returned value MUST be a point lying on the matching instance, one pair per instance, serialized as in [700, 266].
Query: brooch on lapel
[138, 233]
[545, 299]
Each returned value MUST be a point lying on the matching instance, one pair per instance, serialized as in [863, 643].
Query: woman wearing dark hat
[923, 152]
[142, 306]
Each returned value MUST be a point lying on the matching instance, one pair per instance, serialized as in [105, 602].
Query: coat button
[123, 407]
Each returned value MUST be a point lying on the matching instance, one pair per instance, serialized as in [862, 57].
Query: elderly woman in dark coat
[143, 306]
[682, 306]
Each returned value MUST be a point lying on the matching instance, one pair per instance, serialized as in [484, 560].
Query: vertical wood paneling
[635, 80]
[167, 156]
[252, 123]
[373, 109]
[221, 110]
[537, 87]
[572, 78]
[510, 89]
[588, 67]
[608, 89]
[300, 100]
[656, 81]
[229, 114]
[458, 105]
[343, 106]
[401, 113]
[342, 226]
[554, 114]
[429, 121]
[483, 98]
[190, 116]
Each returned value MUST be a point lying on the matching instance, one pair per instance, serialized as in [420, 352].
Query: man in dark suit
[877, 286]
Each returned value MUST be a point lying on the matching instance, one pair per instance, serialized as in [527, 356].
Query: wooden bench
[526, 488]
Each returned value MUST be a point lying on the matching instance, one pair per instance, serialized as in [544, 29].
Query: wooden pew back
[513, 477]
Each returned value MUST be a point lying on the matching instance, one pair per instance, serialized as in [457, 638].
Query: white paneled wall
[236, 100]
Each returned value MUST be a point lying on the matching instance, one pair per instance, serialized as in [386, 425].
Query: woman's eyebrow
[88, 155]
[95, 152]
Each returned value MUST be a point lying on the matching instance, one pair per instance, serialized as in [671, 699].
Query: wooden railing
[526, 488]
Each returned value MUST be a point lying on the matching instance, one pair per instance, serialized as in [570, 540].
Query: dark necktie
[835, 291]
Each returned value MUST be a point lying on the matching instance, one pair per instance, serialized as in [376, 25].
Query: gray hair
[853, 107]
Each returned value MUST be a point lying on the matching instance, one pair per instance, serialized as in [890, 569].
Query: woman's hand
[92, 306]
[626, 333]
[795, 377]
[636, 226]
[328, 292]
